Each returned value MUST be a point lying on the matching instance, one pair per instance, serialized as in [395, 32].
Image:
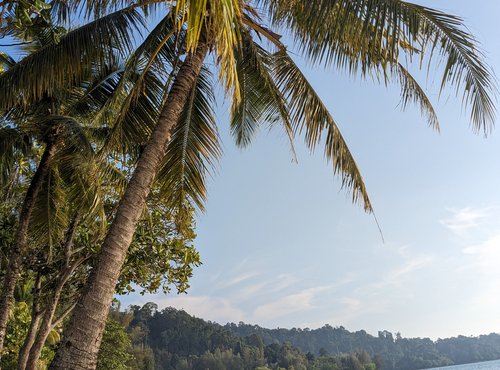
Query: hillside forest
[145, 338]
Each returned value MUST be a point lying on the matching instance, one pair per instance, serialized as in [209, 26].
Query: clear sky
[283, 246]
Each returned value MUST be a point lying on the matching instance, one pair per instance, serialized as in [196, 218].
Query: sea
[488, 365]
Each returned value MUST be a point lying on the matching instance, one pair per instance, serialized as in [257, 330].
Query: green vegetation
[107, 134]
[172, 339]
[397, 353]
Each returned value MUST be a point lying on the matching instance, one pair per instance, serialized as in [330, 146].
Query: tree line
[397, 352]
[143, 338]
[108, 133]
[172, 339]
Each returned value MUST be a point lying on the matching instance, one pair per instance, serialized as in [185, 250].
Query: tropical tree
[44, 132]
[115, 352]
[160, 255]
[160, 259]
[368, 37]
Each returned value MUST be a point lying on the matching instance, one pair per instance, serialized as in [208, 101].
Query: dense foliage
[398, 353]
[172, 339]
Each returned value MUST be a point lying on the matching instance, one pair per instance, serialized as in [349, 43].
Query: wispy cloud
[485, 255]
[396, 276]
[376, 297]
[216, 309]
[464, 220]
[239, 279]
[291, 303]
[249, 289]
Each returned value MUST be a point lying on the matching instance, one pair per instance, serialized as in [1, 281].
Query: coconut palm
[67, 177]
[60, 136]
[367, 37]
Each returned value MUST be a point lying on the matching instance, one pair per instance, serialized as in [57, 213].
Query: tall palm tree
[56, 133]
[65, 180]
[368, 37]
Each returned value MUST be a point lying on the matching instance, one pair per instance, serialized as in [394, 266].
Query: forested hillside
[147, 339]
[172, 339]
[397, 352]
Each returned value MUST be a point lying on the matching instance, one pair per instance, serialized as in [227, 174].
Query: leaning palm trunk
[21, 240]
[83, 336]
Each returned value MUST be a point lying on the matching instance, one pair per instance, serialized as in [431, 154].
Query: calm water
[489, 365]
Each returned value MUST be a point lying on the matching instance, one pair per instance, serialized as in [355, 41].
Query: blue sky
[283, 246]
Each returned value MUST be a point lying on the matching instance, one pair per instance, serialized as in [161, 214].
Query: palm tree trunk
[82, 339]
[20, 243]
[36, 316]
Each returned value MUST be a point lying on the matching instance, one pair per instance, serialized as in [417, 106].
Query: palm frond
[135, 120]
[464, 66]
[14, 144]
[261, 100]
[217, 23]
[193, 150]
[131, 110]
[57, 66]
[92, 95]
[50, 212]
[6, 62]
[225, 21]
[72, 184]
[356, 34]
[98, 8]
[312, 118]
[411, 92]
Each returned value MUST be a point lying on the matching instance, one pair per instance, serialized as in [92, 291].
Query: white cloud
[462, 221]
[246, 287]
[282, 281]
[216, 309]
[376, 297]
[409, 267]
[295, 302]
[239, 279]
[485, 256]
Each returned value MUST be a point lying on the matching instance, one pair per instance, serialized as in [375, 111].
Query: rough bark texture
[80, 345]
[36, 316]
[20, 243]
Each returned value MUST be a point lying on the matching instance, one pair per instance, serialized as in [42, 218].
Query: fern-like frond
[66, 63]
[6, 62]
[14, 144]
[261, 101]
[411, 92]
[313, 119]
[372, 34]
[131, 110]
[193, 150]
[50, 212]
[134, 120]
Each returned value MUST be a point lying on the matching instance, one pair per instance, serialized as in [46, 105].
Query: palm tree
[368, 37]
[59, 135]
[67, 179]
